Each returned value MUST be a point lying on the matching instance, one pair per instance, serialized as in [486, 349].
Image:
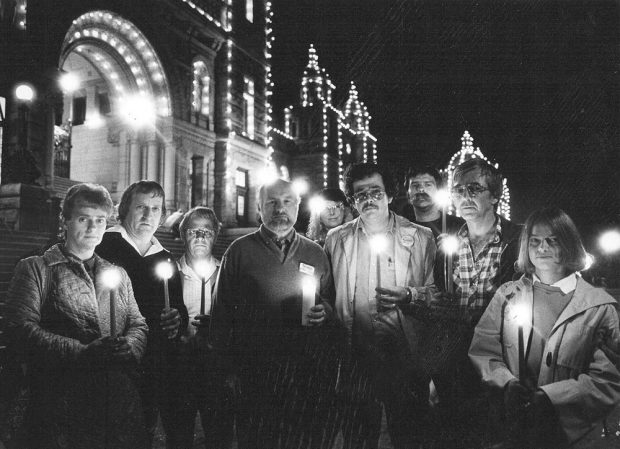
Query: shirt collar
[464, 231]
[390, 227]
[567, 284]
[189, 272]
[155, 245]
[269, 235]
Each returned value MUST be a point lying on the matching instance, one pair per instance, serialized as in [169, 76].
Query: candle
[308, 287]
[378, 244]
[111, 278]
[521, 316]
[202, 268]
[449, 245]
[164, 271]
[442, 199]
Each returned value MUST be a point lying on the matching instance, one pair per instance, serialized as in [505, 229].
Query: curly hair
[362, 170]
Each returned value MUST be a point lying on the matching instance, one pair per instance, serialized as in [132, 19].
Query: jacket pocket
[575, 352]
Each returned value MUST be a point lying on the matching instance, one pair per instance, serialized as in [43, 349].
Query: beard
[280, 223]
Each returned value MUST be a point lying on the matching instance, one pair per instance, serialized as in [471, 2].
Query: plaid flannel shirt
[477, 280]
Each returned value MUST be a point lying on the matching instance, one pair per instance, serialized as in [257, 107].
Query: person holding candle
[133, 246]
[422, 185]
[257, 322]
[373, 283]
[201, 386]
[548, 344]
[328, 210]
[58, 312]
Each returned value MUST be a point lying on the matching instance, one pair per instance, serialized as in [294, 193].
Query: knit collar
[154, 248]
[567, 284]
[269, 236]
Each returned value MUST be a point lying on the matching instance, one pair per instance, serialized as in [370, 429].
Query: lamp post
[24, 94]
[69, 83]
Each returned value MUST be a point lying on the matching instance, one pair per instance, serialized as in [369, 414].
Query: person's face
[85, 228]
[199, 238]
[278, 208]
[144, 216]
[474, 200]
[332, 214]
[422, 191]
[544, 250]
[370, 199]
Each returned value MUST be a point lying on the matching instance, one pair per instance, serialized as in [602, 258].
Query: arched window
[201, 89]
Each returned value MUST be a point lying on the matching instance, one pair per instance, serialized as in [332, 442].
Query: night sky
[536, 83]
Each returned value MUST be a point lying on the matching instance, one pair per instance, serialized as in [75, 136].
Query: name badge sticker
[306, 269]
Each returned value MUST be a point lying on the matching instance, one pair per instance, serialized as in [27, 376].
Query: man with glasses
[372, 284]
[487, 251]
[257, 320]
[201, 385]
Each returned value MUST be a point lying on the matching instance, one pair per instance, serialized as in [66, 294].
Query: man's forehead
[369, 182]
[90, 210]
[200, 222]
[470, 176]
[425, 177]
[149, 198]
[279, 190]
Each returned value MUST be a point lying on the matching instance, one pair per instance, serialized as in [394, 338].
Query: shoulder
[595, 294]
[342, 231]
[405, 227]
[246, 245]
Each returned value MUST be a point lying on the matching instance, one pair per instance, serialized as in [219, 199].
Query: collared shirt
[192, 289]
[567, 284]
[366, 312]
[476, 279]
[153, 249]
[280, 244]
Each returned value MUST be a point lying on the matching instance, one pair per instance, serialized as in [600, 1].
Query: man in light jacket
[371, 286]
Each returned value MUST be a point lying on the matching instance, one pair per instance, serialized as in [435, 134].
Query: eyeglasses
[374, 194]
[205, 233]
[473, 189]
[535, 242]
[334, 208]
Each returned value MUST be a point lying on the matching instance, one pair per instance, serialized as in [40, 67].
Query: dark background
[536, 83]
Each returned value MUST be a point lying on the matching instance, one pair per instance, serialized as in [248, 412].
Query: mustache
[421, 196]
[369, 206]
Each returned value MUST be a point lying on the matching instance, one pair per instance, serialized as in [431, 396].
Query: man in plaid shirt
[488, 248]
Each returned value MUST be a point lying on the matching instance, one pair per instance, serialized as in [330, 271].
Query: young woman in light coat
[567, 380]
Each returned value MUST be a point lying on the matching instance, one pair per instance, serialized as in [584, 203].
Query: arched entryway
[114, 128]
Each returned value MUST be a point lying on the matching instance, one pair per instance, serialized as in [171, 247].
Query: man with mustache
[487, 251]
[422, 185]
[257, 322]
[371, 288]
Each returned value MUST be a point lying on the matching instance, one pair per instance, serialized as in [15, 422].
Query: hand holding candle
[111, 278]
[378, 244]
[164, 271]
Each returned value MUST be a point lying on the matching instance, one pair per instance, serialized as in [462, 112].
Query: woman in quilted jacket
[548, 343]
[73, 320]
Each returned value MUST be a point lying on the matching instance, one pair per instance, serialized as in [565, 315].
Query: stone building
[114, 91]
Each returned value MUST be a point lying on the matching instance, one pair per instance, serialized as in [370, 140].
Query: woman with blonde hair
[547, 343]
[329, 209]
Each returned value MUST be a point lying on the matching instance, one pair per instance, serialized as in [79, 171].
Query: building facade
[319, 139]
[175, 91]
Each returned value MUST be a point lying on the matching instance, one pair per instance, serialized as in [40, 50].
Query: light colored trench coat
[579, 376]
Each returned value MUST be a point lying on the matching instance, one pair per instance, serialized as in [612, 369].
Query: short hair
[199, 212]
[412, 172]
[493, 176]
[143, 186]
[87, 194]
[263, 187]
[363, 170]
[572, 252]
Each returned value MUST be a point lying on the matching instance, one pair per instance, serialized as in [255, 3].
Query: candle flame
[610, 241]
[442, 198]
[588, 262]
[450, 244]
[521, 314]
[201, 268]
[110, 278]
[164, 270]
[316, 204]
[378, 243]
